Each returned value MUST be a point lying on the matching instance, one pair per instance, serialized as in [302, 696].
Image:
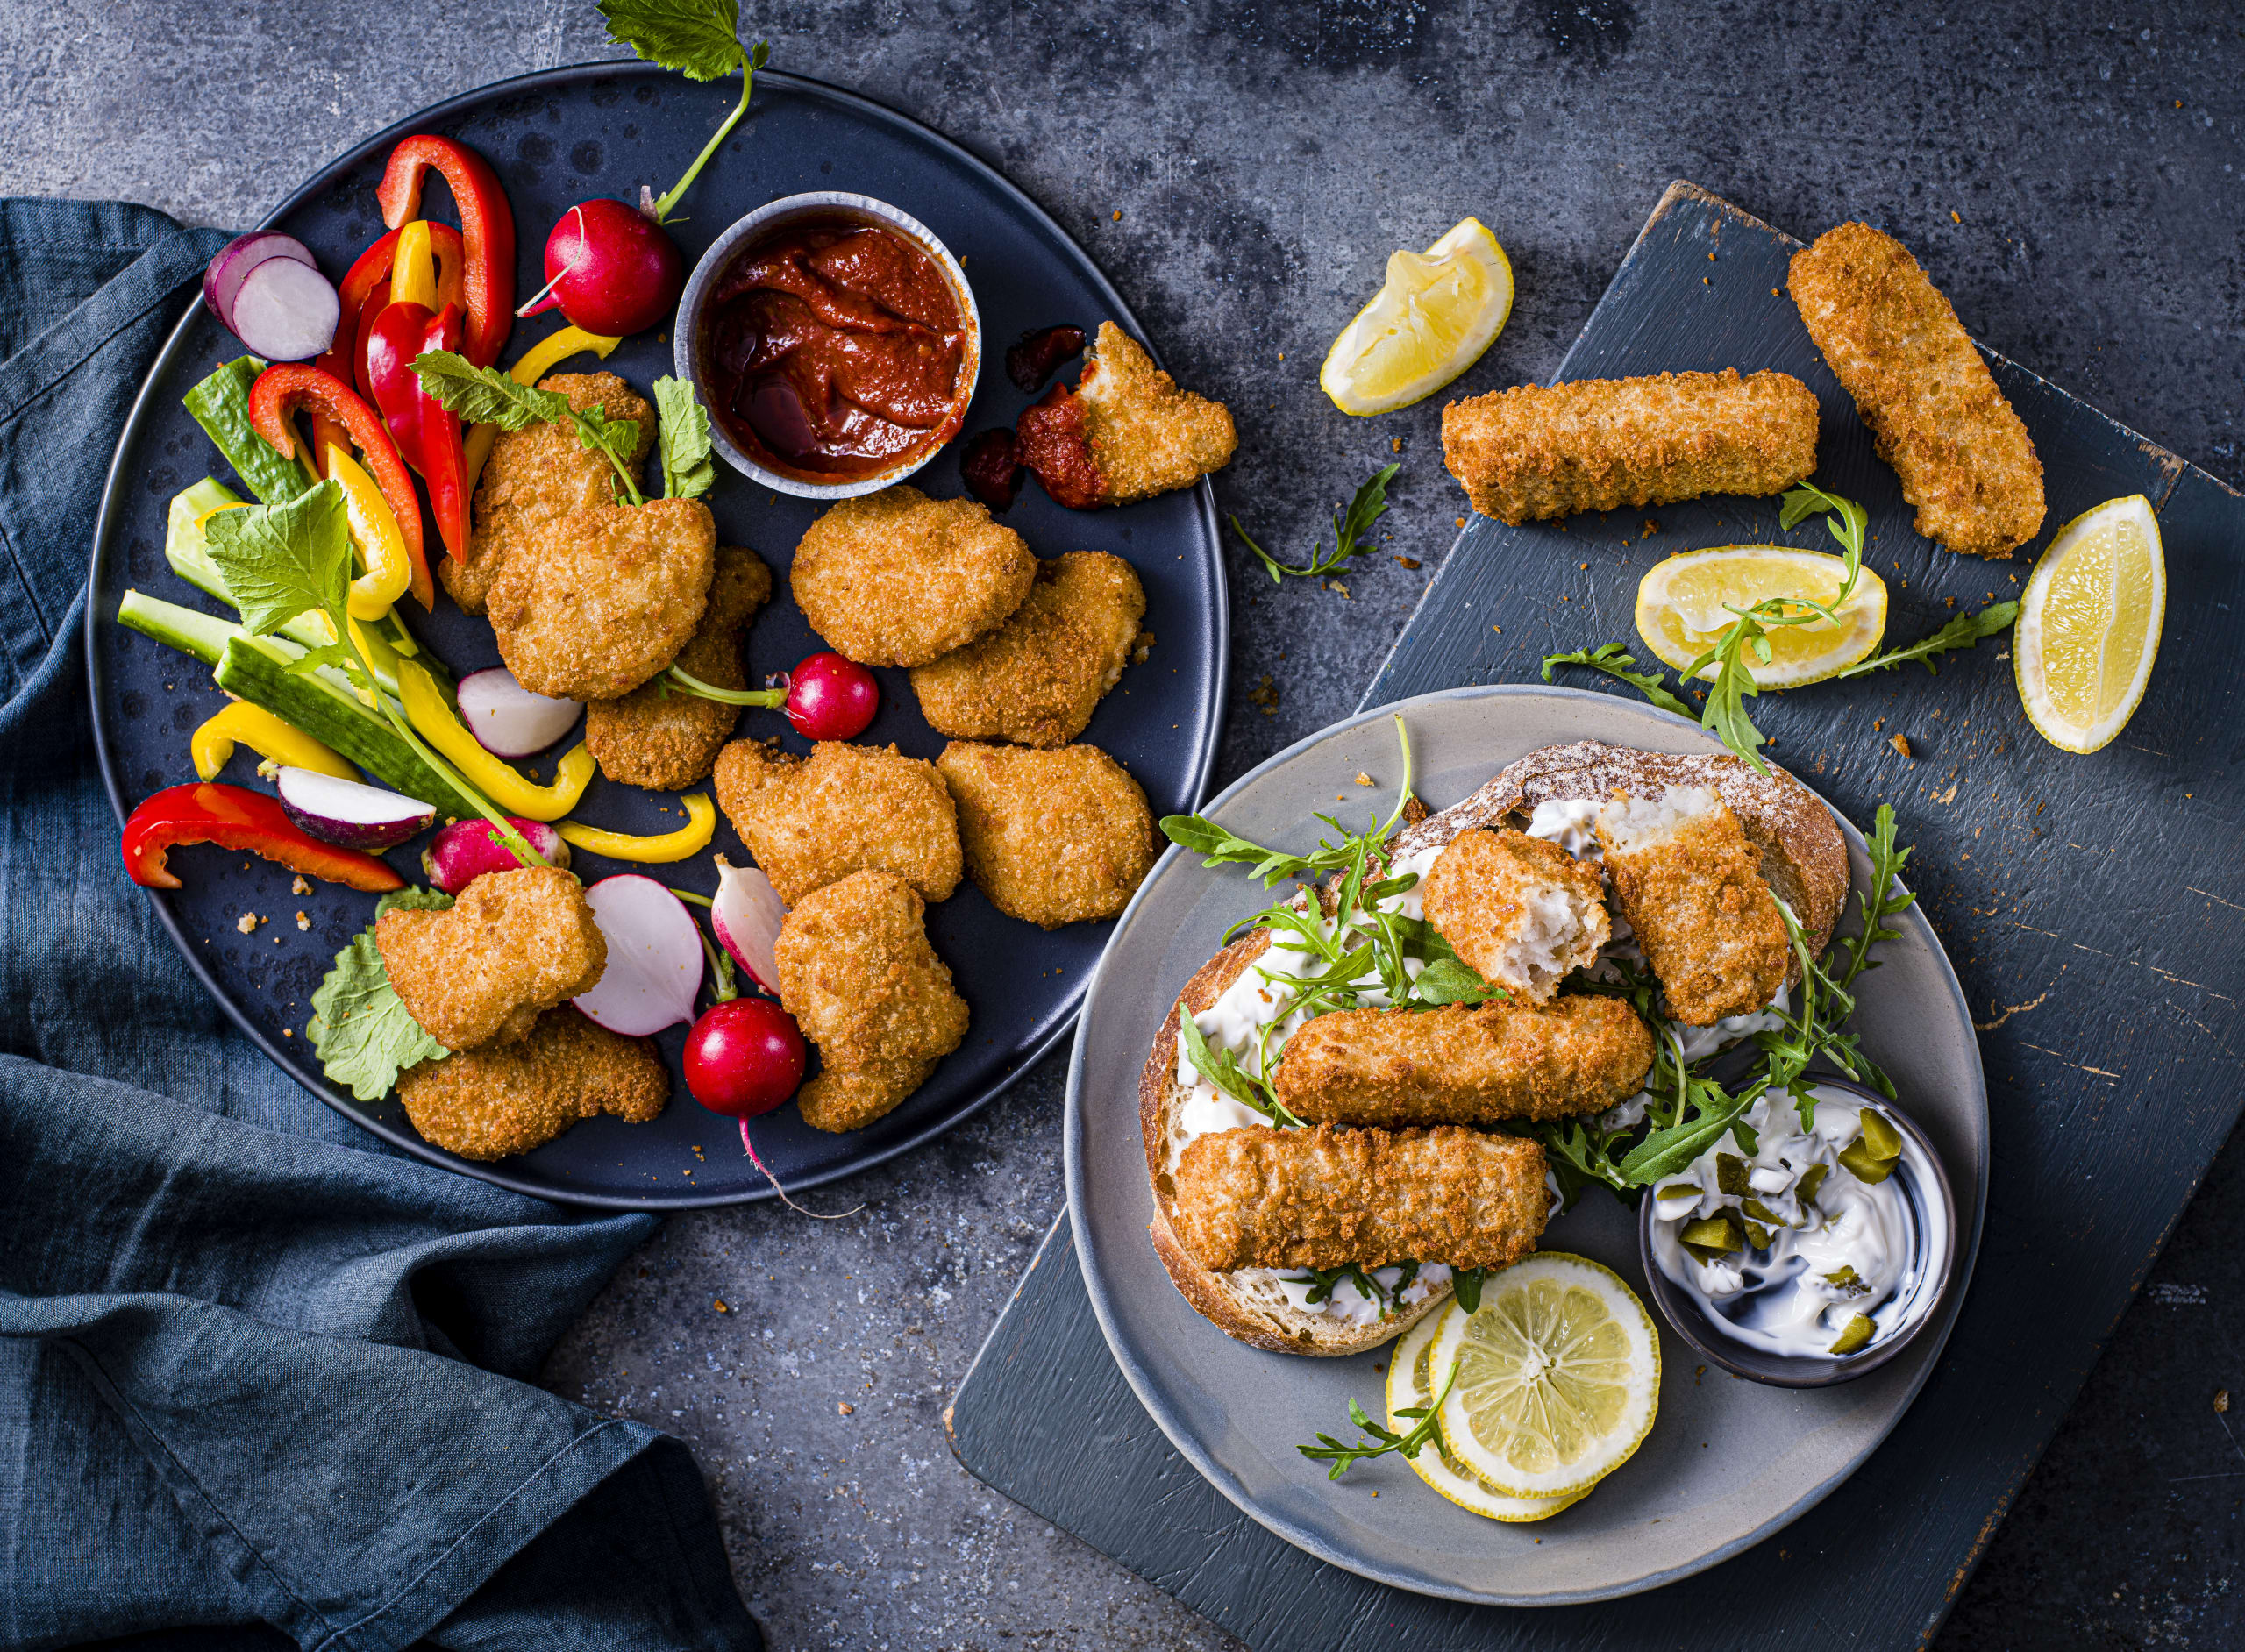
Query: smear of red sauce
[1054, 440]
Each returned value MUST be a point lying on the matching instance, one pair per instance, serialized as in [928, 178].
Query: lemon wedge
[2089, 625]
[1437, 312]
[1407, 1374]
[1558, 1376]
[1685, 603]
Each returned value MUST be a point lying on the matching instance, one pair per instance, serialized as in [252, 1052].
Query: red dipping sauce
[834, 349]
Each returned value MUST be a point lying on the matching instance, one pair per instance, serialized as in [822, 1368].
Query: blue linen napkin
[254, 1366]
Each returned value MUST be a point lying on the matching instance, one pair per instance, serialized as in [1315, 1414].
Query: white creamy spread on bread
[1347, 1302]
[1568, 822]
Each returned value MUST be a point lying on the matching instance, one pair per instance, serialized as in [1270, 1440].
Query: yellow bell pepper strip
[240, 722]
[413, 266]
[543, 356]
[425, 709]
[689, 840]
[374, 535]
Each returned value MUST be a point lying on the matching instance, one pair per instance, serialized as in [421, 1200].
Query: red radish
[507, 719]
[224, 278]
[830, 698]
[611, 270]
[467, 849]
[746, 914]
[267, 291]
[654, 958]
[349, 813]
[744, 1058]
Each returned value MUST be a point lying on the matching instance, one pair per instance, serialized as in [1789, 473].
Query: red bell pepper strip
[274, 399]
[487, 228]
[362, 291]
[428, 436]
[234, 817]
[369, 313]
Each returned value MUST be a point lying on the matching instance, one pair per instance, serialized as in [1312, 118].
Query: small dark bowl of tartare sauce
[834, 340]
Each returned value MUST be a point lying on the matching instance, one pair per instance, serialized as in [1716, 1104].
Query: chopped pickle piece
[1811, 1179]
[1846, 1280]
[1761, 1213]
[1730, 1173]
[1880, 1139]
[1858, 1332]
[1679, 1190]
[1759, 1234]
[1715, 1234]
[1864, 1165]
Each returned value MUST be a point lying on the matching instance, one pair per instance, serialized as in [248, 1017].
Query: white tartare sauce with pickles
[1813, 1245]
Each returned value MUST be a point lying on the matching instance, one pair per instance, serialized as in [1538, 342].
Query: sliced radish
[349, 814]
[237, 258]
[467, 849]
[746, 914]
[507, 719]
[286, 311]
[654, 957]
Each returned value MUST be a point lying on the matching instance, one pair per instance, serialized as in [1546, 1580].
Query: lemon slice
[2089, 625]
[1406, 1385]
[1685, 603]
[1558, 1376]
[1438, 311]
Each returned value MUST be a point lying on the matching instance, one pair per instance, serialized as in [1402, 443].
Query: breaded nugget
[845, 809]
[1522, 910]
[1460, 1065]
[1125, 432]
[1036, 678]
[667, 740]
[1895, 345]
[1541, 451]
[533, 475]
[898, 578]
[479, 973]
[1691, 885]
[486, 1104]
[609, 599]
[1319, 1198]
[1052, 837]
[858, 974]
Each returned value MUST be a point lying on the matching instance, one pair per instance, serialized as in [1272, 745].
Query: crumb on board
[1408, 562]
[1901, 744]
[2221, 1400]
[1461, 522]
[247, 921]
[1363, 778]
[302, 922]
[846, 1408]
[719, 1304]
[300, 886]
[288, 1032]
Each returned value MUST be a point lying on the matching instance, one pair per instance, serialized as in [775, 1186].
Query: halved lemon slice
[2089, 625]
[1685, 603]
[1558, 1376]
[1437, 312]
[1407, 1385]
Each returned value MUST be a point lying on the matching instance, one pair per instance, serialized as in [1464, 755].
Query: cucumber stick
[308, 701]
[220, 404]
[187, 547]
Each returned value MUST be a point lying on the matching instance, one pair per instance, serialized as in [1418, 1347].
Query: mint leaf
[360, 1029]
[700, 39]
[485, 395]
[279, 560]
[684, 430]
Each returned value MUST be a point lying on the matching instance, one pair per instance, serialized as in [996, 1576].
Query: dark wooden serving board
[2091, 905]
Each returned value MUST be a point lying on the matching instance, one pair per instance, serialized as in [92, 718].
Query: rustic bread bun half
[1246, 1305]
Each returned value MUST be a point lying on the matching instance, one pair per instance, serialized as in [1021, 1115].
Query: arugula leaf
[1451, 980]
[684, 430]
[1960, 632]
[485, 395]
[1465, 1285]
[279, 560]
[1351, 533]
[1221, 1069]
[700, 40]
[1222, 847]
[1344, 1457]
[1710, 1115]
[1610, 659]
[1808, 500]
[360, 1029]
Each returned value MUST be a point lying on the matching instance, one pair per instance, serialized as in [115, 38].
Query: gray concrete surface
[2068, 172]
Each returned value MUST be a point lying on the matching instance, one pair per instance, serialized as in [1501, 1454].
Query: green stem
[694, 685]
[518, 845]
[749, 62]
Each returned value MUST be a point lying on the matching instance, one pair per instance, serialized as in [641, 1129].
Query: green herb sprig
[485, 395]
[683, 431]
[1344, 1456]
[1960, 632]
[1611, 658]
[1351, 533]
[700, 40]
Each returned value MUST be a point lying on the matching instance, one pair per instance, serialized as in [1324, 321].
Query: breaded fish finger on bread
[1520, 909]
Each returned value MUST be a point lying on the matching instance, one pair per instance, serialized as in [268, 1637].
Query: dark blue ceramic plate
[556, 139]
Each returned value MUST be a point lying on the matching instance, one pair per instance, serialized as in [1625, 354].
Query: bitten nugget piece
[1520, 909]
[667, 742]
[480, 972]
[532, 476]
[856, 971]
[1934, 413]
[1542, 451]
[1125, 432]
[607, 599]
[843, 810]
[1036, 678]
[1320, 1198]
[1052, 837]
[486, 1104]
[898, 578]
[1460, 1065]
[1691, 885]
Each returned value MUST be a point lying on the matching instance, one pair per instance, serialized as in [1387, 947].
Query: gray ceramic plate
[1728, 1461]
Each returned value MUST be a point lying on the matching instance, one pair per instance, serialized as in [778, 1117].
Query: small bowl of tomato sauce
[834, 340]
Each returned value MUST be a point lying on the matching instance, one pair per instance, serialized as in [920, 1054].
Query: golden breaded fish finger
[1522, 910]
[1538, 451]
[1461, 1066]
[1691, 885]
[1320, 1197]
[1895, 345]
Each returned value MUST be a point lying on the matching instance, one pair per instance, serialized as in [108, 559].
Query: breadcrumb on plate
[667, 740]
[609, 599]
[1126, 431]
[898, 578]
[845, 809]
[858, 974]
[1037, 678]
[507, 1098]
[1051, 838]
[514, 945]
[1521, 910]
